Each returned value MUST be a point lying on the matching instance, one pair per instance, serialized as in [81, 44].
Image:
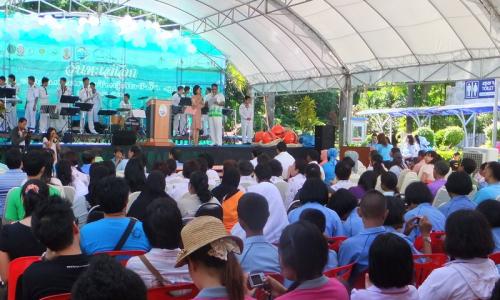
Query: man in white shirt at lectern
[215, 105]
[246, 114]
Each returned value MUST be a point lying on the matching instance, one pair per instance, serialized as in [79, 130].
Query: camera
[256, 280]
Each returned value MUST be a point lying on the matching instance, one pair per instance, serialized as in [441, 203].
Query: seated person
[246, 172]
[171, 174]
[390, 271]
[233, 196]
[180, 186]
[119, 160]
[471, 274]
[491, 210]
[213, 176]
[105, 234]
[314, 194]
[419, 200]
[296, 179]
[154, 188]
[318, 219]
[469, 166]
[229, 184]
[345, 205]
[388, 183]
[458, 186]
[492, 177]
[135, 175]
[13, 177]
[304, 254]
[367, 181]
[162, 225]
[441, 169]
[277, 180]
[53, 224]
[258, 254]
[88, 158]
[106, 278]
[342, 174]
[198, 194]
[17, 239]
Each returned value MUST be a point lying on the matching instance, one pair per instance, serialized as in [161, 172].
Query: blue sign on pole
[480, 89]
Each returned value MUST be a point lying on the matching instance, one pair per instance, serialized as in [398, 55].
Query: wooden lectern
[158, 123]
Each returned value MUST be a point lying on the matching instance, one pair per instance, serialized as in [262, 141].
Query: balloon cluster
[278, 132]
[105, 30]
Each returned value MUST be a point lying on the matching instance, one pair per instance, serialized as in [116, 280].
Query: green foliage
[453, 136]
[488, 131]
[439, 137]
[235, 90]
[427, 133]
[306, 115]
[446, 154]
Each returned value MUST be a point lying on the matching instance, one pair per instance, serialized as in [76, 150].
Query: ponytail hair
[34, 193]
[230, 272]
[199, 182]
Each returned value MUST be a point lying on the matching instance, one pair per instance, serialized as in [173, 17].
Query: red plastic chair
[360, 282]
[66, 296]
[123, 255]
[343, 272]
[170, 292]
[16, 269]
[335, 242]
[495, 257]
[424, 269]
[437, 242]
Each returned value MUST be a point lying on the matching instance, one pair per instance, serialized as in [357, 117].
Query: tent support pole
[474, 130]
[495, 116]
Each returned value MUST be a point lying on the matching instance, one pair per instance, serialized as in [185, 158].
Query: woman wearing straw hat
[210, 254]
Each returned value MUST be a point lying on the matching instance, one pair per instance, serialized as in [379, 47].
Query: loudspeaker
[324, 137]
[68, 138]
[123, 138]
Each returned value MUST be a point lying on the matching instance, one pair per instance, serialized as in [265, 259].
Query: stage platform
[154, 153]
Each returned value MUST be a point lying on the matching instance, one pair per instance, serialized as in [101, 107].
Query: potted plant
[307, 118]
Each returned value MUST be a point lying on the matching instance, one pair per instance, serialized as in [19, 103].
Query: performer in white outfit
[12, 109]
[63, 90]
[125, 102]
[204, 117]
[97, 102]
[86, 96]
[215, 104]
[246, 114]
[31, 103]
[179, 119]
[43, 123]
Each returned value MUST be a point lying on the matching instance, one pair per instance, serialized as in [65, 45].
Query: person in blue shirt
[492, 177]
[314, 194]
[119, 160]
[383, 147]
[13, 177]
[88, 158]
[345, 204]
[419, 199]
[258, 254]
[491, 210]
[104, 235]
[317, 218]
[458, 185]
[329, 166]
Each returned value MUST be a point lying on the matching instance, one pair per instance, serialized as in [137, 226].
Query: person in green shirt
[34, 167]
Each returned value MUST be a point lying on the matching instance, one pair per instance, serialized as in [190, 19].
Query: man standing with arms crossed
[215, 104]
[31, 103]
[246, 114]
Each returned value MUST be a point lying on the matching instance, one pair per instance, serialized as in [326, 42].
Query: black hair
[202, 162]
[313, 155]
[434, 155]
[373, 204]
[247, 97]
[495, 295]
[342, 202]
[92, 84]
[49, 132]
[263, 158]
[22, 120]
[256, 152]
[13, 158]
[253, 210]
[163, 223]
[155, 183]
[162, 167]
[368, 180]
[189, 168]
[126, 95]
[2, 78]
[45, 79]
[48, 155]
[397, 159]
[300, 165]
[112, 193]
[378, 164]
[343, 170]
[88, 156]
[33, 162]
[459, 183]
[314, 190]
[214, 85]
[469, 165]
[12, 76]
[229, 163]
[315, 217]
[33, 193]
[171, 166]
[199, 182]
[263, 172]
[304, 249]
[421, 152]
[107, 279]
[349, 161]
[441, 168]
[276, 167]
[245, 167]
[63, 172]
[390, 262]
[491, 210]
[196, 87]
[231, 177]
[389, 180]
[396, 209]
[411, 140]
[52, 224]
[495, 169]
[97, 172]
[63, 79]
[31, 77]
[85, 78]
[209, 158]
[134, 174]
[468, 235]
[117, 149]
[110, 165]
[483, 166]
[186, 87]
[281, 146]
[418, 193]
[312, 171]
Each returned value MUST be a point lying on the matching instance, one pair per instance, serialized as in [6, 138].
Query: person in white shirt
[11, 109]
[313, 157]
[471, 274]
[198, 195]
[296, 180]
[63, 90]
[179, 119]
[179, 187]
[246, 115]
[97, 102]
[215, 104]
[213, 177]
[278, 219]
[31, 103]
[284, 158]
[86, 96]
[246, 174]
[342, 175]
[44, 100]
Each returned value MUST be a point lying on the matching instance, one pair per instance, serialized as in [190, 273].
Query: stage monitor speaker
[124, 138]
[324, 137]
[68, 138]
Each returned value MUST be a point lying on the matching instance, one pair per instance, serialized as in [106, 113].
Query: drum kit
[125, 118]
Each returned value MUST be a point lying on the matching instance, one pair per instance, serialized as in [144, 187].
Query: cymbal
[142, 98]
[111, 96]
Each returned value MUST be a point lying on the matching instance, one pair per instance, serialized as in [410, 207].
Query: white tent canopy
[299, 45]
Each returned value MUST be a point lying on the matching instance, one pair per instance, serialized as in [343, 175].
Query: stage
[156, 153]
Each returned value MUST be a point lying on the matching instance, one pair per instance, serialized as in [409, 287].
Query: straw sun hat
[205, 230]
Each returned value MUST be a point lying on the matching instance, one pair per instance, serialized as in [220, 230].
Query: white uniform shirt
[61, 92]
[286, 161]
[246, 112]
[216, 100]
[294, 185]
[374, 293]
[97, 99]
[33, 93]
[14, 86]
[44, 95]
[176, 99]
[86, 95]
[125, 105]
